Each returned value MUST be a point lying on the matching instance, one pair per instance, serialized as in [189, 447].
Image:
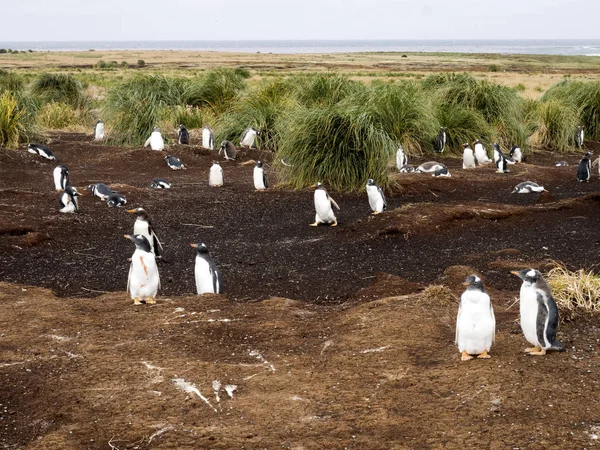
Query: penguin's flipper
[333, 202]
[540, 325]
[494, 322]
[129, 276]
[595, 163]
[382, 196]
[265, 182]
[158, 248]
[456, 334]
[147, 142]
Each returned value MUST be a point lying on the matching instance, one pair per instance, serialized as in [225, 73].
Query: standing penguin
[579, 136]
[248, 137]
[439, 144]
[516, 154]
[61, 178]
[376, 197]
[99, 130]
[155, 140]
[260, 177]
[174, 162]
[143, 226]
[469, 161]
[208, 138]
[401, 158]
[183, 136]
[475, 323]
[68, 200]
[500, 160]
[539, 313]
[215, 176]
[143, 281]
[100, 190]
[41, 150]
[324, 211]
[208, 277]
[584, 170]
[481, 153]
[229, 151]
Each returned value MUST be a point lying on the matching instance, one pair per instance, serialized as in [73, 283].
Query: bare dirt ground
[329, 334]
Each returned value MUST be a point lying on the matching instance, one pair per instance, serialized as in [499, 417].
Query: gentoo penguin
[376, 197]
[516, 154]
[143, 226]
[160, 183]
[183, 136]
[174, 162]
[430, 167]
[260, 177]
[469, 161]
[100, 190]
[441, 172]
[143, 281]
[401, 158]
[208, 138]
[481, 153]
[68, 200]
[475, 323]
[584, 170]
[61, 178]
[99, 130]
[539, 313]
[579, 136]
[228, 149]
[248, 137]
[500, 160]
[324, 211]
[527, 187]
[208, 277]
[561, 164]
[155, 140]
[439, 144]
[115, 199]
[409, 169]
[41, 150]
[215, 176]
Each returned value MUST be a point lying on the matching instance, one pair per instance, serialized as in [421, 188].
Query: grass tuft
[60, 88]
[11, 120]
[576, 293]
[439, 294]
[555, 123]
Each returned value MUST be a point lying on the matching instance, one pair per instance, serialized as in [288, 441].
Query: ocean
[587, 47]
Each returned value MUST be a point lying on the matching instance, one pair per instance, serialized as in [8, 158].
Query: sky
[140, 20]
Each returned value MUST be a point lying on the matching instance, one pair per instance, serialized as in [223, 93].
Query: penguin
[441, 172]
[61, 178]
[229, 151]
[174, 162]
[401, 158]
[469, 161]
[100, 190]
[579, 136]
[183, 136]
[324, 211]
[516, 154]
[143, 281]
[500, 160]
[561, 164]
[584, 170]
[439, 144]
[155, 140]
[260, 177]
[376, 197]
[115, 199]
[539, 313]
[527, 187]
[41, 150]
[215, 176]
[68, 200]
[481, 153]
[208, 277]
[430, 167]
[475, 322]
[408, 169]
[208, 138]
[248, 137]
[99, 130]
[160, 183]
[143, 226]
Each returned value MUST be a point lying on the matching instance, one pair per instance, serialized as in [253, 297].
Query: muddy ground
[347, 349]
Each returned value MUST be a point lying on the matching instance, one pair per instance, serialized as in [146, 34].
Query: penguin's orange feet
[532, 349]
[541, 352]
[150, 301]
[465, 356]
[376, 212]
[136, 301]
[316, 224]
[484, 355]
[334, 224]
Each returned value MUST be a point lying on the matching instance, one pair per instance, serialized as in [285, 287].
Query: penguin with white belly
[401, 158]
[481, 153]
[376, 197]
[144, 227]
[155, 141]
[99, 130]
[183, 135]
[208, 277]
[539, 313]
[475, 323]
[41, 150]
[469, 161]
[208, 138]
[68, 200]
[143, 281]
[260, 177]
[323, 208]
[215, 175]
[61, 178]
[584, 169]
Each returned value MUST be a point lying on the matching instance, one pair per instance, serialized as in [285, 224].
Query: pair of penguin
[106, 194]
[476, 323]
[216, 179]
[67, 201]
[500, 160]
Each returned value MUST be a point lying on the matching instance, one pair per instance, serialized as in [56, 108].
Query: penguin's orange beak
[514, 272]
[131, 210]
[127, 236]
[466, 283]
[194, 245]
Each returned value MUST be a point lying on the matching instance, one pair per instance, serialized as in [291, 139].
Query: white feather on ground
[229, 388]
[191, 388]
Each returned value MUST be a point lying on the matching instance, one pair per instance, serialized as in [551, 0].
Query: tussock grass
[439, 294]
[190, 116]
[59, 88]
[323, 89]
[464, 125]
[576, 293]
[10, 81]
[555, 123]
[11, 120]
[60, 116]
[216, 89]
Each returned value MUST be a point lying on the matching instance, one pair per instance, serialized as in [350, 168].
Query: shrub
[11, 124]
[575, 292]
[215, 89]
[141, 62]
[464, 125]
[323, 89]
[59, 87]
[493, 68]
[57, 116]
[10, 81]
[555, 125]
[3, 50]
[124, 64]
[190, 116]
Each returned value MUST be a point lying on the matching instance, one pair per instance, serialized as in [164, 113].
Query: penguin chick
[215, 176]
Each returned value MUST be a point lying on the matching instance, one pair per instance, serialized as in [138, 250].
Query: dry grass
[439, 294]
[576, 293]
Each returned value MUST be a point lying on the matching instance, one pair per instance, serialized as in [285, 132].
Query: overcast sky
[88, 20]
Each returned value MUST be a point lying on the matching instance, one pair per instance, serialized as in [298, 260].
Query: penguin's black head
[443, 128]
[258, 164]
[181, 126]
[99, 121]
[496, 146]
[224, 145]
[474, 282]
[588, 155]
[72, 191]
[216, 162]
[201, 248]
[139, 212]
[155, 129]
[318, 185]
[140, 242]
[370, 182]
[528, 275]
[466, 145]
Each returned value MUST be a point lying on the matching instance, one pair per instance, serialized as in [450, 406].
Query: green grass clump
[10, 81]
[323, 89]
[59, 87]
[464, 125]
[11, 120]
[190, 116]
[60, 116]
[216, 89]
[554, 123]
[576, 293]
